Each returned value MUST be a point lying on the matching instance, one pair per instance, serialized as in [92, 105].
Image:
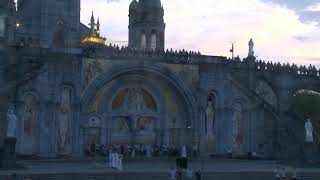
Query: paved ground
[154, 165]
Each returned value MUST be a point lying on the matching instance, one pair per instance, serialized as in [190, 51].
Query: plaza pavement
[140, 166]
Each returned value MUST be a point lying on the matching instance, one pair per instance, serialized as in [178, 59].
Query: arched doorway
[142, 105]
[304, 106]
[135, 117]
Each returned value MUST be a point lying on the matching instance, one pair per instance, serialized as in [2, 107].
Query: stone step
[164, 176]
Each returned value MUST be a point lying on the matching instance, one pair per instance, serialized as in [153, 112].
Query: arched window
[143, 41]
[153, 44]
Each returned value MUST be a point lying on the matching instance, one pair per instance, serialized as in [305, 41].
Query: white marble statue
[251, 45]
[12, 123]
[210, 118]
[64, 119]
[309, 131]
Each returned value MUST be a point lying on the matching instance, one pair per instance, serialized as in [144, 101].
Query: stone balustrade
[188, 57]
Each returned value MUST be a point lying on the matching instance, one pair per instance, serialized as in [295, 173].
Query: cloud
[313, 8]
[211, 25]
[303, 38]
[111, 1]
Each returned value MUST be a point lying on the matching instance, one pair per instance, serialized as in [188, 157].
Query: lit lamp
[18, 24]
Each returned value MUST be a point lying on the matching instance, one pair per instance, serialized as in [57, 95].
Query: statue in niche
[236, 127]
[210, 123]
[64, 120]
[29, 116]
[134, 101]
[12, 123]
[309, 131]
[210, 116]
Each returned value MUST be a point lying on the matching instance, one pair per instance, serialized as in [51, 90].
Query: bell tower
[146, 25]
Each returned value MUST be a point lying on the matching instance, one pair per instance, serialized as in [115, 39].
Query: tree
[306, 104]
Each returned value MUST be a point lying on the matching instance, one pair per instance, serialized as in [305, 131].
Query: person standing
[148, 151]
[172, 174]
[283, 173]
[195, 151]
[198, 175]
[179, 174]
[277, 173]
[294, 174]
[189, 173]
[184, 151]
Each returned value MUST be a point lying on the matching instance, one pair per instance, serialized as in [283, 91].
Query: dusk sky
[282, 30]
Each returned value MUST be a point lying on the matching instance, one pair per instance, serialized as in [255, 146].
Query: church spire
[92, 24]
[98, 27]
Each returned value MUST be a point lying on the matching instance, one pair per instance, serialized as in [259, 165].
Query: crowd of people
[178, 174]
[178, 56]
[140, 150]
[15, 177]
[283, 173]
[270, 66]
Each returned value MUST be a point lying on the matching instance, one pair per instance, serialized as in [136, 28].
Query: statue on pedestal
[251, 45]
[309, 131]
[12, 123]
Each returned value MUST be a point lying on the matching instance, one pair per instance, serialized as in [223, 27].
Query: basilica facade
[68, 89]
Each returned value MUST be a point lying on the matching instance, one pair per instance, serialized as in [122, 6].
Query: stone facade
[67, 97]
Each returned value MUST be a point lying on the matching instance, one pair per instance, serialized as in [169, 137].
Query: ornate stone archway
[142, 95]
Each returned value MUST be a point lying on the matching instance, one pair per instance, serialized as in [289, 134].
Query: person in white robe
[184, 151]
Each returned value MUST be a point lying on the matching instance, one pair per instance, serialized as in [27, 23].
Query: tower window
[143, 43]
[153, 44]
